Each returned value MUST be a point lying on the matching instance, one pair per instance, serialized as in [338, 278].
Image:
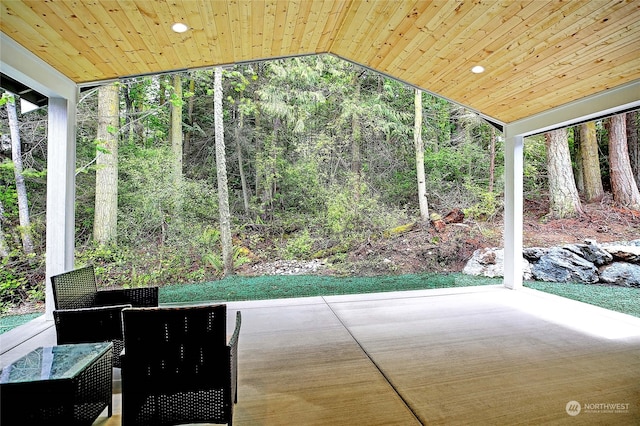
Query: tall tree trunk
[492, 159]
[563, 194]
[176, 129]
[243, 179]
[356, 141]
[190, 100]
[4, 249]
[221, 169]
[419, 148]
[106, 203]
[578, 170]
[591, 173]
[633, 144]
[21, 187]
[176, 147]
[623, 184]
[129, 113]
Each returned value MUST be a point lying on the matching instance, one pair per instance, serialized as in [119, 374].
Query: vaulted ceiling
[537, 54]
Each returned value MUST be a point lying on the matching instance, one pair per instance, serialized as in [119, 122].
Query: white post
[513, 210]
[61, 161]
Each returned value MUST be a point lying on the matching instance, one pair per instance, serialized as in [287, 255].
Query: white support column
[61, 160]
[25, 67]
[513, 209]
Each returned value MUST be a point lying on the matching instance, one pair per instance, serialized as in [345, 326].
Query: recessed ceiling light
[478, 69]
[179, 27]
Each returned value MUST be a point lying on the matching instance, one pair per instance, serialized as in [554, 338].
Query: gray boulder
[489, 262]
[592, 252]
[562, 265]
[625, 253]
[621, 273]
[533, 254]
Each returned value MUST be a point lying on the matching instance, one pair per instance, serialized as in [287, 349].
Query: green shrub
[298, 247]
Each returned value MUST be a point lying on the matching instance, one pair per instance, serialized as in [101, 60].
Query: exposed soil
[423, 249]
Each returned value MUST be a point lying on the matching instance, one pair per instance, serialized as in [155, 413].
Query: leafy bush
[298, 247]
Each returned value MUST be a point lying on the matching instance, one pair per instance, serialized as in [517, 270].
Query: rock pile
[608, 263]
[288, 267]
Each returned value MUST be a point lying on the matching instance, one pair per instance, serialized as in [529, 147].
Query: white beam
[513, 209]
[25, 67]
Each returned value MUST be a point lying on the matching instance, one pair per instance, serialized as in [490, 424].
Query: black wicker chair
[85, 315]
[177, 366]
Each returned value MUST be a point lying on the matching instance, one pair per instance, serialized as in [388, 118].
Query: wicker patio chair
[85, 315]
[177, 366]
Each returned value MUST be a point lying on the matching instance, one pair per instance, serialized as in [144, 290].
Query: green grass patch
[237, 288]
[615, 298]
[287, 286]
[12, 321]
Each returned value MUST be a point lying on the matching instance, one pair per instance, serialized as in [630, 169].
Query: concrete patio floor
[476, 355]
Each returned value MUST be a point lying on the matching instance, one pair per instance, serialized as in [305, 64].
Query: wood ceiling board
[365, 39]
[439, 46]
[382, 31]
[551, 49]
[472, 29]
[393, 36]
[257, 20]
[526, 46]
[471, 51]
[175, 47]
[280, 21]
[143, 27]
[224, 32]
[319, 12]
[125, 43]
[546, 74]
[79, 36]
[239, 18]
[570, 90]
[301, 28]
[201, 38]
[332, 25]
[289, 29]
[30, 29]
[270, 8]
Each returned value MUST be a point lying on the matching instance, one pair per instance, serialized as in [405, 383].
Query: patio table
[66, 384]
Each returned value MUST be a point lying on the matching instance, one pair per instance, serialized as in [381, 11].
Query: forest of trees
[181, 177]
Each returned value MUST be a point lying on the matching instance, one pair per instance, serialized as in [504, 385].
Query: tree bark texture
[578, 169]
[176, 130]
[419, 148]
[21, 188]
[634, 144]
[563, 194]
[4, 249]
[591, 173]
[243, 178]
[623, 184]
[221, 169]
[492, 159]
[105, 222]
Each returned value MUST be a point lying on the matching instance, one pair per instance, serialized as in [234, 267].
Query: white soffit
[25, 67]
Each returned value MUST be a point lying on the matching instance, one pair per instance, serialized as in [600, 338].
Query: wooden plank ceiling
[538, 54]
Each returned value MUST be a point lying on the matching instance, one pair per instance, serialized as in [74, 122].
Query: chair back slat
[74, 289]
[177, 346]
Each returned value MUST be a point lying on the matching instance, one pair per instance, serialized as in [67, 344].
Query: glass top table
[52, 362]
[62, 385]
